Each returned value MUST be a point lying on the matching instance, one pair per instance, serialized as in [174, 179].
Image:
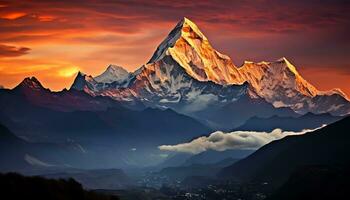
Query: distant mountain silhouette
[11, 151]
[234, 114]
[212, 156]
[307, 121]
[111, 179]
[32, 91]
[274, 162]
[105, 134]
[204, 170]
[203, 158]
[19, 155]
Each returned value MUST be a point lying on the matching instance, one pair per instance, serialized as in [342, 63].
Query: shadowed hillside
[315, 182]
[15, 186]
[275, 161]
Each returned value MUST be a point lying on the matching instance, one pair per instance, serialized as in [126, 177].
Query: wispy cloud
[220, 141]
[12, 51]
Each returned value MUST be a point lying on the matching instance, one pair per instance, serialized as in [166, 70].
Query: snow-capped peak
[291, 67]
[185, 29]
[168, 42]
[188, 46]
[334, 91]
[188, 27]
[186, 57]
[115, 68]
[113, 73]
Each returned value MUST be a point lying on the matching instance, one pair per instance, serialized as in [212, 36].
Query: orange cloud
[13, 16]
[45, 18]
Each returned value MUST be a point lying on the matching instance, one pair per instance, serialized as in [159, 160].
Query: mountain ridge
[187, 49]
[188, 75]
[299, 123]
[325, 146]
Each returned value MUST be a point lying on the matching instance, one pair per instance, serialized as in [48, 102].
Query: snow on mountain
[112, 74]
[277, 82]
[174, 77]
[188, 75]
[280, 84]
[187, 45]
[265, 77]
[166, 84]
[114, 77]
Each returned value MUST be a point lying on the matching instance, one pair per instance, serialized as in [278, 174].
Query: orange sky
[52, 40]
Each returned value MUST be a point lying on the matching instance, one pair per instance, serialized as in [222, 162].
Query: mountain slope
[189, 76]
[32, 91]
[274, 162]
[315, 182]
[307, 121]
[165, 84]
[235, 113]
[211, 156]
[280, 84]
[105, 134]
[114, 74]
[112, 138]
[19, 155]
[188, 46]
[11, 155]
[21, 115]
[204, 169]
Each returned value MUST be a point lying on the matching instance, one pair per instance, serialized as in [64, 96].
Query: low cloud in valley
[220, 141]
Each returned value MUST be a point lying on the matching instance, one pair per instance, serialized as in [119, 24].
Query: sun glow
[68, 72]
[12, 16]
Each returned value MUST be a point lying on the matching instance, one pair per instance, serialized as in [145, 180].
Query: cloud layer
[220, 141]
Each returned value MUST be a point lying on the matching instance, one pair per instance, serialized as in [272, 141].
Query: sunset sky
[53, 40]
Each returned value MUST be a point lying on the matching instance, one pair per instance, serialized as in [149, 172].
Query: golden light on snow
[128, 38]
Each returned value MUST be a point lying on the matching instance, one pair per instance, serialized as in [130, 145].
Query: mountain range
[188, 75]
[117, 136]
[186, 89]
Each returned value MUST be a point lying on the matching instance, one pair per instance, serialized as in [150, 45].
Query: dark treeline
[15, 186]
